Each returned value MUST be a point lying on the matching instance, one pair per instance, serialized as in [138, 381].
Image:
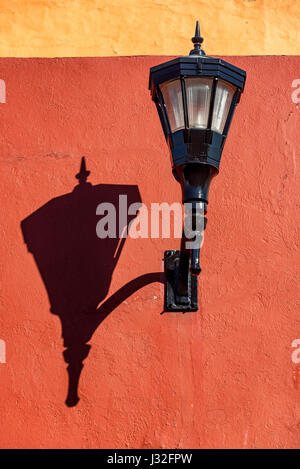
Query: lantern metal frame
[190, 144]
[195, 156]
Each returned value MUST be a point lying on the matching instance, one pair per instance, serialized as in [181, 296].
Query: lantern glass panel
[198, 93]
[223, 99]
[172, 94]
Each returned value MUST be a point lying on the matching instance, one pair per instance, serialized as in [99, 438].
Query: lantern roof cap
[196, 65]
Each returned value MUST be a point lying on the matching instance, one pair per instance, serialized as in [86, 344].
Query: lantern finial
[197, 41]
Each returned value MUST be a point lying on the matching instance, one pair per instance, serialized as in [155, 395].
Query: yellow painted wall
[57, 28]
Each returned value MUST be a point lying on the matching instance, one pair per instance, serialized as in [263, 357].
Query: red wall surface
[221, 377]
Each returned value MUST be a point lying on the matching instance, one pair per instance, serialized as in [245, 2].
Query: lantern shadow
[76, 266]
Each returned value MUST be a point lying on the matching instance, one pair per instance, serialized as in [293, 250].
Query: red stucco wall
[222, 377]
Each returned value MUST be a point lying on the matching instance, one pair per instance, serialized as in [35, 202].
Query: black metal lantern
[196, 97]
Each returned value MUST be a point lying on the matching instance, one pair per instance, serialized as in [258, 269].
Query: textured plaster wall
[221, 377]
[64, 28]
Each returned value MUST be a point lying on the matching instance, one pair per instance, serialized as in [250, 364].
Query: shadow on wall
[76, 266]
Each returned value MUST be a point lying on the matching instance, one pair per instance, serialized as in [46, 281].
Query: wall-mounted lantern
[195, 97]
